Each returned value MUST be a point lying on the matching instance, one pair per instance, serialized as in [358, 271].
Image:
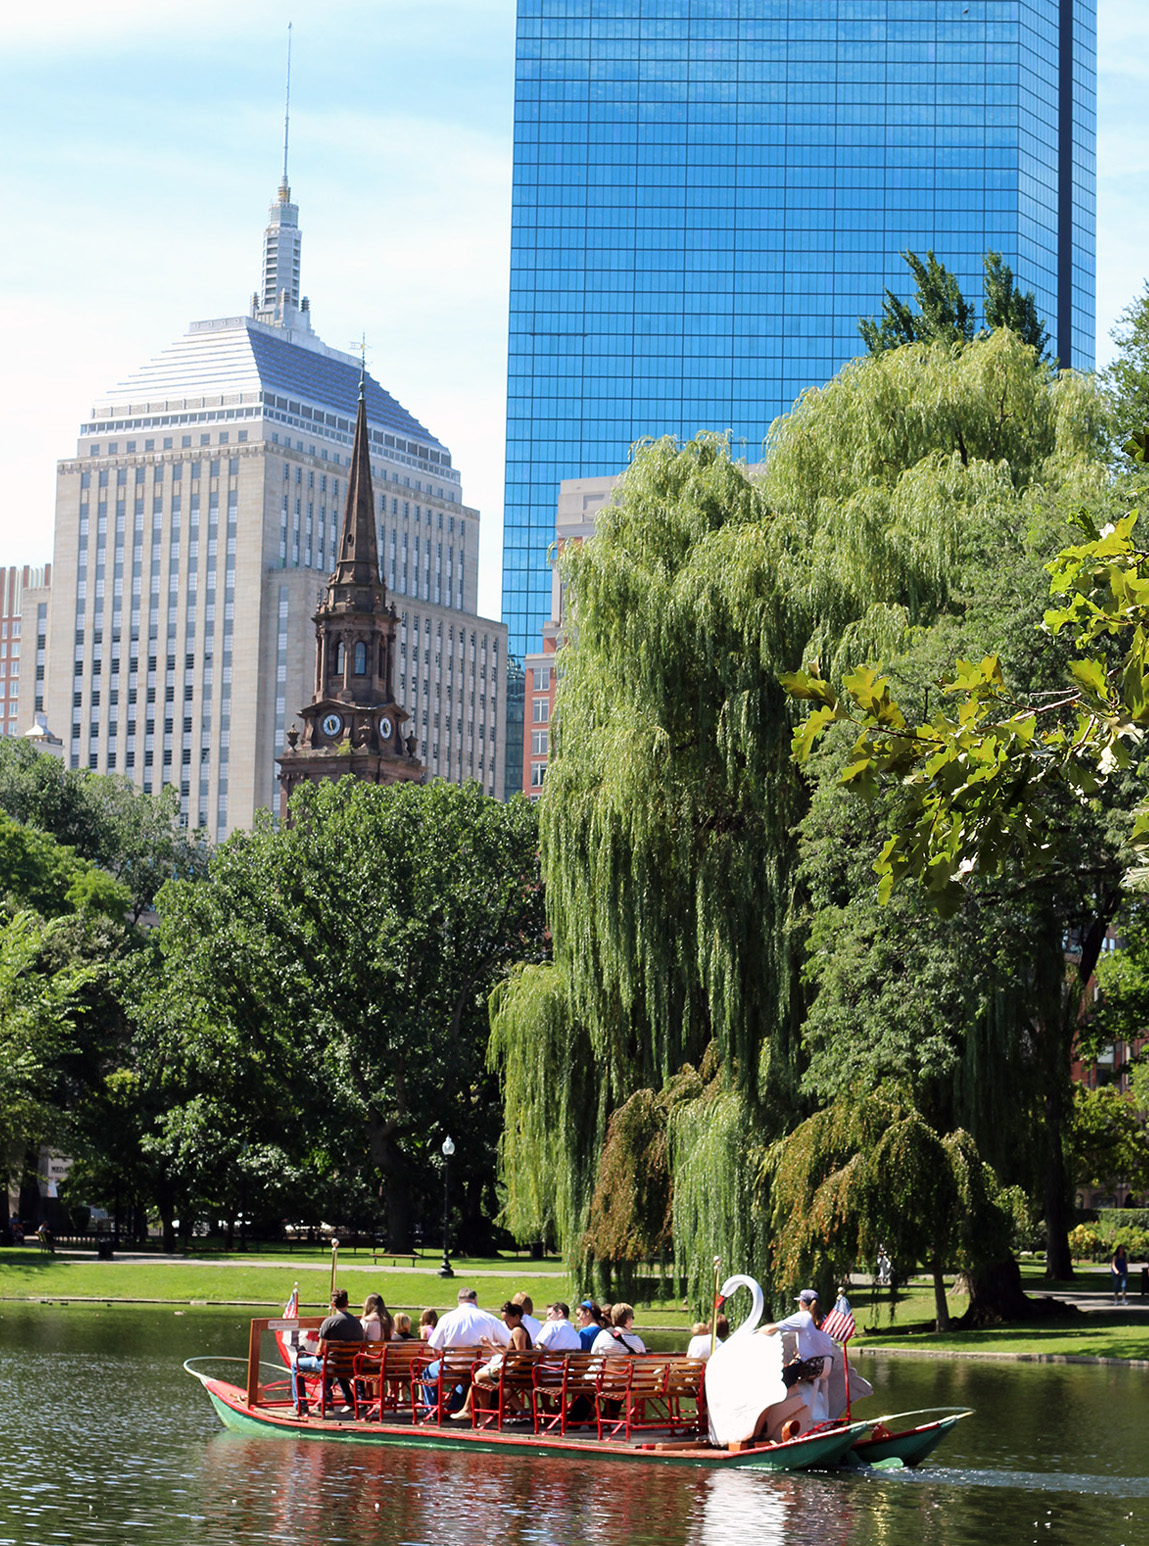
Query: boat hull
[910, 1447]
[819, 1450]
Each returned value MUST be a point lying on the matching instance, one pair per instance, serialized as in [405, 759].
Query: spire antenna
[287, 105]
[362, 366]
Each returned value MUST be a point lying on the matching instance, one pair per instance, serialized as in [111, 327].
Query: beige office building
[195, 529]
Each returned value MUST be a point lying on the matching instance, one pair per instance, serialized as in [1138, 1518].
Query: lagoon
[104, 1438]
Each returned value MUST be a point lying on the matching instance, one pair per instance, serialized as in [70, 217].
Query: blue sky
[143, 144]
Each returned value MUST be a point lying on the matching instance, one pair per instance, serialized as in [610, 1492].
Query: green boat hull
[817, 1450]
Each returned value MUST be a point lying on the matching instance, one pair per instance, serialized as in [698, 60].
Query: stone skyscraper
[196, 526]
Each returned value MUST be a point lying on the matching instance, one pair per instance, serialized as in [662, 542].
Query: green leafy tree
[1126, 378]
[669, 817]
[871, 1171]
[137, 838]
[943, 314]
[1109, 1139]
[325, 988]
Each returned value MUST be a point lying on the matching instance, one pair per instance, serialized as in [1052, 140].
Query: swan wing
[743, 1378]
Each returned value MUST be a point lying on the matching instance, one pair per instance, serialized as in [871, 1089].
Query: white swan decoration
[744, 1373]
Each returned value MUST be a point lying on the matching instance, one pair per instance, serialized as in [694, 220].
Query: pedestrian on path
[1119, 1271]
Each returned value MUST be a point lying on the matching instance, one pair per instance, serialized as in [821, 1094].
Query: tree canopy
[944, 315]
[321, 995]
[670, 819]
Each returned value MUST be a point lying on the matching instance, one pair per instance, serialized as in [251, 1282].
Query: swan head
[758, 1301]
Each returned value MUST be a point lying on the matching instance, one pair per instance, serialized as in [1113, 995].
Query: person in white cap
[806, 1324]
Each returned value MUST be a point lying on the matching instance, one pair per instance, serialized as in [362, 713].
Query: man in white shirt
[557, 1334]
[468, 1326]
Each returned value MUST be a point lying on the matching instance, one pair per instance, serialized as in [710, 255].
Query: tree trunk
[995, 1295]
[941, 1308]
[1058, 1214]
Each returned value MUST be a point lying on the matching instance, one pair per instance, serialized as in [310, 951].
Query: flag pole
[334, 1261]
[717, 1305]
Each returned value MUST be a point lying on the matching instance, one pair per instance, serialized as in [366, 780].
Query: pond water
[104, 1438]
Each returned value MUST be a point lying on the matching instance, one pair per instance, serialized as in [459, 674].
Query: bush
[1087, 1244]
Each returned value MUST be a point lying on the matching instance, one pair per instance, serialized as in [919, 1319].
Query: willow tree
[668, 820]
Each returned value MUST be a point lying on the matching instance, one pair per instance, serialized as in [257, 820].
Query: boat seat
[339, 1359]
[513, 1395]
[431, 1398]
[385, 1371]
[563, 1390]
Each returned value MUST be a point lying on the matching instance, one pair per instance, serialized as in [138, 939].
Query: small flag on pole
[840, 1324]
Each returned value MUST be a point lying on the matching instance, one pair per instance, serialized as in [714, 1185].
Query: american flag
[839, 1324]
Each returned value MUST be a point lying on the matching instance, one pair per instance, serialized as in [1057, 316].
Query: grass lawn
[249, 1280]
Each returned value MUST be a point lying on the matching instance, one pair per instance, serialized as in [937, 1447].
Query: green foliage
[553, 1110]
[944, 316]
[136, 837]
[1108, 1139]
[670, 818]
[1126, 378]
[870, 1171]
[324, 989]
[1006, 306]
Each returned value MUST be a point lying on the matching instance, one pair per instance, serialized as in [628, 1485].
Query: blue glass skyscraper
[708, 194]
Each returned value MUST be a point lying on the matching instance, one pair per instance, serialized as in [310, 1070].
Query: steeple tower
[353, 723]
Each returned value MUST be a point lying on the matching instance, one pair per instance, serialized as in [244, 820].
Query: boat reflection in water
[329, 1492]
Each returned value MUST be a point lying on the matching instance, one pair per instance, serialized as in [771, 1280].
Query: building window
[360, 659]
[541, 711]
[538, 773]
[542, 678]
[539, 743]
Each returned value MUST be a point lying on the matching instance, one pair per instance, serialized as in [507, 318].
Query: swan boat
[733, 1410]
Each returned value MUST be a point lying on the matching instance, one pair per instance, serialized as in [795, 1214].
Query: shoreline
[178, 1306]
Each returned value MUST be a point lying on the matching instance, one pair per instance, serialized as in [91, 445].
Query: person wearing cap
[806, 1325]
[587, 1323]
[557, 1334]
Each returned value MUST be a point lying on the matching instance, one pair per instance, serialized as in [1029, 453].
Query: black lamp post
[446, 1270]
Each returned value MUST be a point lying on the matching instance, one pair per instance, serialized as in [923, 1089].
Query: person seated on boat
[530, 1324]
[376, 1318]
[486, 1379]
[403, 1332]
[588, 1324]
[619, 1339]
[427, 1323]
[557, 1334]
[466, 1326]
[699, 1344]
[340, 1326]
[812, 1342]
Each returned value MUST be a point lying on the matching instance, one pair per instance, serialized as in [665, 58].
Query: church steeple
[358, 561]
[353, 723]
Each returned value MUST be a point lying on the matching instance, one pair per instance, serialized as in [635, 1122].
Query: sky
[143, 146]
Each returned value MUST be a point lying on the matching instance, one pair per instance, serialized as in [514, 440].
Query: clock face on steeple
[386, 728]
[332, 725]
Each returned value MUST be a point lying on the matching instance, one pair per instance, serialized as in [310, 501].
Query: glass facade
[708, 194]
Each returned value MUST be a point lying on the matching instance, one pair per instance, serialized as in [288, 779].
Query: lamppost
[446, 1270]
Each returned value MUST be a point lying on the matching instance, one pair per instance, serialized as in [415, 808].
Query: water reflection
[105, 1440]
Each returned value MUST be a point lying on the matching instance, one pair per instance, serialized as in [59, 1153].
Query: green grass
[214, 1277]
[26, 1274]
